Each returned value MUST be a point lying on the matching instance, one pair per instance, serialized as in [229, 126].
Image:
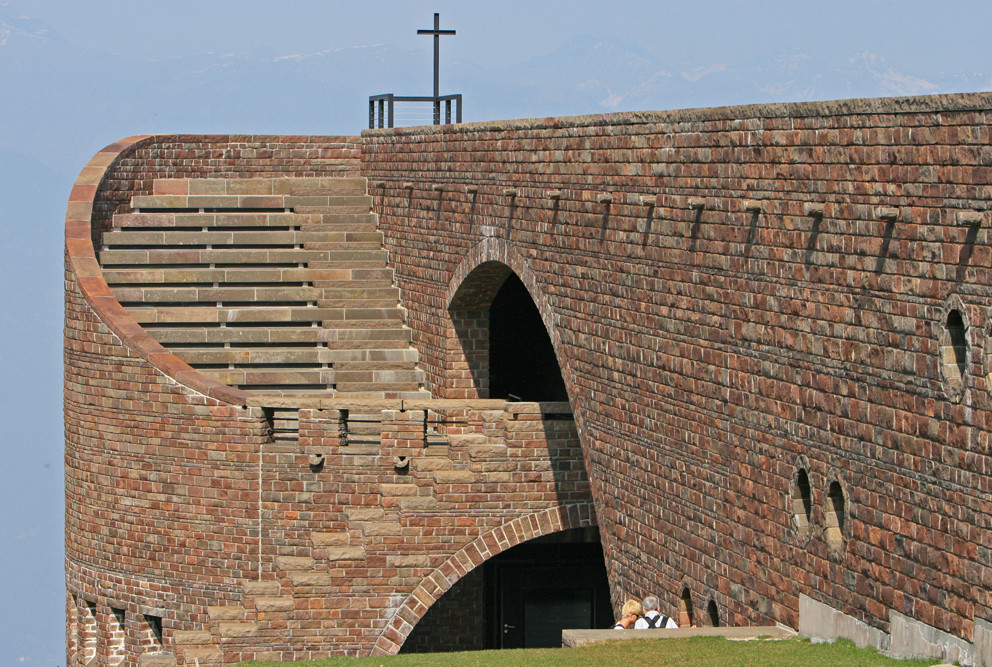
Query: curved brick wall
[159, 516]
[736, 295]
[194, 536]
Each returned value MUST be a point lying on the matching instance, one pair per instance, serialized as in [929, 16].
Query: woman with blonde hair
[629, 613]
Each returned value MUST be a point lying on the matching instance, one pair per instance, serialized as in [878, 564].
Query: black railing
[382, 109]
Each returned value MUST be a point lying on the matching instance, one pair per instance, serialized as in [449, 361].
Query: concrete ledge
[570, 638]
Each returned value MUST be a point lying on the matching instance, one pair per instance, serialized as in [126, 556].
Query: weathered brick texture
[734, 294]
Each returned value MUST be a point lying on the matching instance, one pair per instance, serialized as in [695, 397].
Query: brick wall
[735, 295]
[195, 537]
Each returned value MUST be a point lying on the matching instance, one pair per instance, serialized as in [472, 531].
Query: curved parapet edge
[496, 541]
[82, 262]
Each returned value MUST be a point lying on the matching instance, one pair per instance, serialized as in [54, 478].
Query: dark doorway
[523, 597]
[537, 589]
[522, 362]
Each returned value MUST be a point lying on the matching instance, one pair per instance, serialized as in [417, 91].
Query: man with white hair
[652, 617]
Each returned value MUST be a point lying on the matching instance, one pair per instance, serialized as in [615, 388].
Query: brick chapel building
[323, 394]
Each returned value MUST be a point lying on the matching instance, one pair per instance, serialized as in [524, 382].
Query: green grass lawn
[690, 652]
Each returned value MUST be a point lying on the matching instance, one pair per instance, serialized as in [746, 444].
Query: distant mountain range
[261, 90]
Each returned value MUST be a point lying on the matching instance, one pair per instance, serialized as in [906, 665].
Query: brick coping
[81, 258]
[979, 101]
[570, 638]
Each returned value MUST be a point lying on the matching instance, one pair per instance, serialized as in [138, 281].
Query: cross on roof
[437, 32]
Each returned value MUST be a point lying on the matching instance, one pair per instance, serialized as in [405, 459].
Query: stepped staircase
[284, 290]
[279, 287]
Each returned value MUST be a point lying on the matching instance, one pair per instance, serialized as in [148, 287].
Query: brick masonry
[733, 295]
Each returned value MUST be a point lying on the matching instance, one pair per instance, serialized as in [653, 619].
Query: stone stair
[284, 291]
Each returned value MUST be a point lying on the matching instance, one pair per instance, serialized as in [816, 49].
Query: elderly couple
[634, 615]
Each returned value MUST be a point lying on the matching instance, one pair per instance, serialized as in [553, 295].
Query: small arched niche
[954, 350]
[686, 619]
[801, 500]
[834, 519]
[713, 614]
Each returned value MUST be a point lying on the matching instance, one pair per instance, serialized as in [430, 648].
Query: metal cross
[437, 32]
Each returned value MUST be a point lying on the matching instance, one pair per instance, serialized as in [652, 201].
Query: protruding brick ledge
[82, 261]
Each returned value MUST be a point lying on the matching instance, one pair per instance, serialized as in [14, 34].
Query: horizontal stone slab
[570, 638]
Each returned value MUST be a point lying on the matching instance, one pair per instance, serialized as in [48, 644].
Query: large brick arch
[473, 285]
[496, 541]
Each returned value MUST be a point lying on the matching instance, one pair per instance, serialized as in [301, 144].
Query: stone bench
[570, 638]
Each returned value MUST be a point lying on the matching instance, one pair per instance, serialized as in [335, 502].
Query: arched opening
[502, 347]
[522, 362]
[686, 619]
[802, 505]
[834, 517]
[954, 352]
[713, 614]
[521, 598]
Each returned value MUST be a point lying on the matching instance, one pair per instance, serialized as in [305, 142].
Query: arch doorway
[521, 598]
[502, 340]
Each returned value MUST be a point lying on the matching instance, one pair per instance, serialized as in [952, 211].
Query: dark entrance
[522, 598]
[537, 589]
[522, 362]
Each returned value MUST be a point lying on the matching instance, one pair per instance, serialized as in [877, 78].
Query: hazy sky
[75, 76]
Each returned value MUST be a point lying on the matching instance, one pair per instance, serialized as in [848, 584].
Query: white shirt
[642, 624]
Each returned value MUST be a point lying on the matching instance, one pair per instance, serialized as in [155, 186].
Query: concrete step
[208, 201]
[270, 335]
[239, 238]
[372, 387]
[368, 335]
[215, 220]
[235, 356]
[226, 314]
[282, 256]
[215, 277]
[283, 296]
[264, 376]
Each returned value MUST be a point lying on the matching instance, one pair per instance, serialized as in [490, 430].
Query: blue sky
[75, 76]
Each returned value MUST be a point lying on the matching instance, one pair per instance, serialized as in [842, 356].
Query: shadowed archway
[473, 555]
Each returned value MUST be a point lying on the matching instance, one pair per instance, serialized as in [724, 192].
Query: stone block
[157, 660]
[229, 629]
[300, 578]
[329, 539]
[226, 612]
[346, 553]
[454, 476]
[364, 513]
[381, 528]
[253, 588]
[280, 603]
[408, 561]
[417, 503]
[295, 562]
[203, 656]
[192, 636]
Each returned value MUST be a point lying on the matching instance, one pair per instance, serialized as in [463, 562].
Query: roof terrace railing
[382, 109]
